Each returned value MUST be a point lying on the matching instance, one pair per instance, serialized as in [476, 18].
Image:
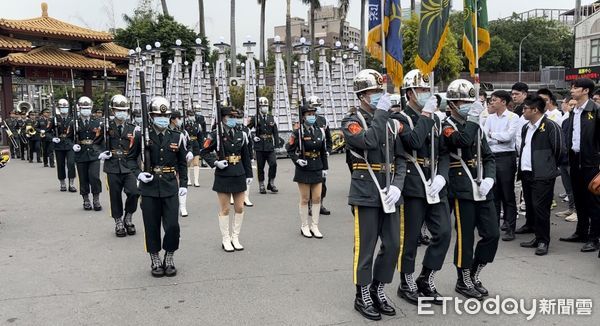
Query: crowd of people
[415, 163]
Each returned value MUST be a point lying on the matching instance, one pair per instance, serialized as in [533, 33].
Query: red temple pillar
[7, 92]
[87, 84]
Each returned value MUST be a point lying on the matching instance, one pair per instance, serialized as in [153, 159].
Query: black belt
[502, 154]
[119, 152]
[158, 170]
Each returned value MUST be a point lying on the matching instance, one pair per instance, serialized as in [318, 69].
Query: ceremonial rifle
[300, 131]
[53, 107]
[74, 110]
[220, 148]
[145, 133]
[106, 113]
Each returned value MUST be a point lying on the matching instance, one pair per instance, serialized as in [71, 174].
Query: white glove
[137, 129]
[430, 105]
[248, 181]
[105, 155]
[384, 102]
[302, 162]
[327, 154]
[182, 191]
[485, 186]
[437, 185]
[145, 177]
[325, 173]
[392, 196]
[221, 164]
[189, 156]
[56, 140]
[76, 148]
[256, 139]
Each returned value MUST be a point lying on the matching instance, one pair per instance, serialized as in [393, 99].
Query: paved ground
[60, 265]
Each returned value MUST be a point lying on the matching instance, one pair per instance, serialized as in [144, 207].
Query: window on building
[595, 55]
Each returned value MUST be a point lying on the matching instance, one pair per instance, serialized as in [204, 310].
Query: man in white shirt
[501, 129]
[538, 169]
[551, 111]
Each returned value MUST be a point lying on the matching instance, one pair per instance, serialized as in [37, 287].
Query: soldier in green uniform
[46, 125]
[374, 206]
[266, 139]
[161, 186]
[119, 170]
[307, 149]
[472, 174]
[20, 127]
[31, 130]
[227, 150]
[425, 196]
[87, 149]
[63, 147]
[12, 123]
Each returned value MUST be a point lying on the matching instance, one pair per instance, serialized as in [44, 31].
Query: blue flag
[392, 25]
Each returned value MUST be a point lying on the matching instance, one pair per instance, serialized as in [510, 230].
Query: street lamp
[520, 45]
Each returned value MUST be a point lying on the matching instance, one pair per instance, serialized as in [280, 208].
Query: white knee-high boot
[182, 205]
[224, 226]
[304, 227]
[237, 226]
[196, 176]
[314, 226]
[247, 201]
[189, 176]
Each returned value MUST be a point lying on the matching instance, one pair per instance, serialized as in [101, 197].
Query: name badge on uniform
[307, 138]
[173, 146]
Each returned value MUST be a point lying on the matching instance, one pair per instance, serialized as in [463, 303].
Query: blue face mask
[374, 99]
[311, 119]
[138, 120]
[161, 122]
[463, 110]
[230, 122]
[422, 98]
[64, 110]
[121, 116]
[178, 122]
[86, 112]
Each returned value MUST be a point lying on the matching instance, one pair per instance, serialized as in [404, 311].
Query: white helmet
[461, 90]
[62, 103]
[263, 101]
[160, 105]
[367, 79]
[85, 102]
[314, 101]
[415, 78]
[119, 102]
[396, 99]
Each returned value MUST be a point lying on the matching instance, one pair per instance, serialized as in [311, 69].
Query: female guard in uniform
[227, 149]
[307, 151]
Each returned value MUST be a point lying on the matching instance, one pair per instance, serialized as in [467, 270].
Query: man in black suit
[583, 144]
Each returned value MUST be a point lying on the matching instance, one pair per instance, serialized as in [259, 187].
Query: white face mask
[64, 111]
[86, 112]
[264, 110]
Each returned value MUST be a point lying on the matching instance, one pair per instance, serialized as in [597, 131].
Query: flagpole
[476, 50]
[383, 49]
[385, 85]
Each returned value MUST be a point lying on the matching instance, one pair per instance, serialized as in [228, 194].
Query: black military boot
[426, 285]
[86, 203]
[96, 202]
[169, 264]
[271, 186]
[156, 265]
[63, 185]
[72, 185]
[129, 227]
[323, 210]
[261, 188]
[380, 300]
[475, 271]
[119, 228]
[364, 304]
[464, 284]
[407, 289]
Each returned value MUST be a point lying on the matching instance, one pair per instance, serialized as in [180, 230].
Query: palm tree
[314, 5]
[288, 41]
[164, 7]
[201, 18]
[263, 5]
[344, 5]
[363, 32]
[232, 37]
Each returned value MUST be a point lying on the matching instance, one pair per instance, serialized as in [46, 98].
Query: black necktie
[85, 123]
[120, 128]
[160, 137]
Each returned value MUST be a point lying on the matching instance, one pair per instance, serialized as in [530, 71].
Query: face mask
[112, 117]
[121, 116]
[178, 122]
[422, 98]
[86, 112]
[374, 99]
[161, 122]
[64, 110]
[318, 109]
[240, 121]
[230, 122]
[264, 110]
[311, 119]
[463, 110]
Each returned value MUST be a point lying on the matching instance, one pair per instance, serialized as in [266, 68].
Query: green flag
[433, 29]
[482, 28]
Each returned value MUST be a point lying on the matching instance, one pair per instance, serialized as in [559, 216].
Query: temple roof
[13, 44]
[48, 56]
[50, 27]
[109, 51]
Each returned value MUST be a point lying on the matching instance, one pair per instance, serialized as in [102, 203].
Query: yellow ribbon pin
[590, 116]
[542, 127]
